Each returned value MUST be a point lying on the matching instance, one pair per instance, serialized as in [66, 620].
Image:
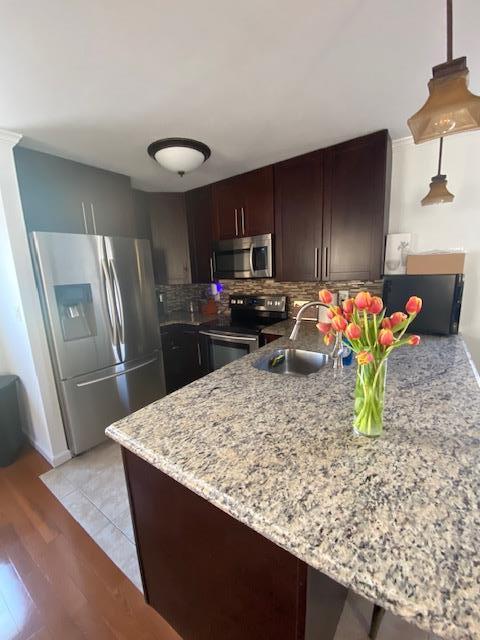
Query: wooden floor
[55, 582]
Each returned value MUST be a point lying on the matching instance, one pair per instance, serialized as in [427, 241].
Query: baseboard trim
[55, 460]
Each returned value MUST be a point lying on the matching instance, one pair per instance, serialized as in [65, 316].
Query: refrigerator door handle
[118, 373]
[117, 294]
[107, 290]
[84, 219]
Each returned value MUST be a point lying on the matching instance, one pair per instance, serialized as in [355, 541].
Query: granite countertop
[396, 519]
[284, 328]
[186, 317]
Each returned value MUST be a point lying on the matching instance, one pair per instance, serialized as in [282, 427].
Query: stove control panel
[259, 302]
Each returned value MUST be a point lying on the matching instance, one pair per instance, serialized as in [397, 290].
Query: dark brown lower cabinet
[213, 578]
[181, 355]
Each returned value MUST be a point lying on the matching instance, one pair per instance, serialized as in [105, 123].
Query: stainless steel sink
[291, 362]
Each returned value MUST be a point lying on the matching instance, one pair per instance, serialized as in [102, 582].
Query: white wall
[23, 344]
[444, 226]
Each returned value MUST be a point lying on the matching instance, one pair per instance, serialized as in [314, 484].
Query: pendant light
[180, 155]
[438, 193]
[451, 107]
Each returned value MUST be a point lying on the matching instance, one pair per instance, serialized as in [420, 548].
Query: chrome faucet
[338, 348]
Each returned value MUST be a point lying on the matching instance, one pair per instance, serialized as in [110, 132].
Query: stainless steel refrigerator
[98, 301]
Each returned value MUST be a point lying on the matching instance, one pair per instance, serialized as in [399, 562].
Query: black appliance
[441, 295]
[11, 435]
[232, 337]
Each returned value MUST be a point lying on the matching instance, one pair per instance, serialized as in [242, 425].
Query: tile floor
[92, 488]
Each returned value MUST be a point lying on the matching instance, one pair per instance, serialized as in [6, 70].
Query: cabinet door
[357, 195]
[181, 356]
[172, 360]
[52, 190]
[70, 197]
[199, 208]
[109, 204]
[256, 215]
[171, 259]
[298, 217]
[227, 198]
[191, 354]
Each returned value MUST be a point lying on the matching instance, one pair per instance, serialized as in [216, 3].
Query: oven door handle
[228, 338]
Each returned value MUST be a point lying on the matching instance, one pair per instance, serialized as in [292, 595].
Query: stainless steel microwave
[244, 257]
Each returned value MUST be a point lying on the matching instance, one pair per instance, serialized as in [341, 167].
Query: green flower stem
[369, 398]
[365, 323]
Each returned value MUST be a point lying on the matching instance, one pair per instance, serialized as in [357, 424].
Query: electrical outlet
[342, 295]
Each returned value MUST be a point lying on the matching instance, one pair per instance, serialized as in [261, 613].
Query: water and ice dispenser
[75, 309]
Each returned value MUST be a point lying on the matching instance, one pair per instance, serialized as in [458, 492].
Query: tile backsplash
[294, 290]
[178, 297]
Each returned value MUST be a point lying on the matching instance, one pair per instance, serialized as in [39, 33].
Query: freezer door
[131, 271]
[91, 403]
[74, 290]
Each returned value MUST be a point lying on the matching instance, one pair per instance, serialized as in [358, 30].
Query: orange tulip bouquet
[372, 336]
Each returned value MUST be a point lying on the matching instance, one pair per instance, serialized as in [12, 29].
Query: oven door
[219, 349]
[244, 257]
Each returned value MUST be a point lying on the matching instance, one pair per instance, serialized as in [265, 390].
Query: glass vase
[369, 399]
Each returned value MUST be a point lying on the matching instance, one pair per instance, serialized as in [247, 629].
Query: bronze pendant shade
[450, 108]
[438, 193]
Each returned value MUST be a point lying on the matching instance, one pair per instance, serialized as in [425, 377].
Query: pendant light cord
[440, 157]
[449, 31]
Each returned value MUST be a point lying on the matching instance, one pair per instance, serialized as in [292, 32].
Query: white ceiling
[258, 81]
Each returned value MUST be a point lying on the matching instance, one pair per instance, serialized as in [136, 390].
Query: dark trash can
[11, 436]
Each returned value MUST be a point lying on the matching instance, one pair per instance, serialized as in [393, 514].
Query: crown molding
[402, 142]
[9, 137]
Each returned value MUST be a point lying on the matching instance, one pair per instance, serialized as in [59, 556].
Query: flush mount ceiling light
[438, 193]
[451, 107]
[180, 155]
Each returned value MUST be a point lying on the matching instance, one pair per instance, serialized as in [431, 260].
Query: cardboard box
[435, 263]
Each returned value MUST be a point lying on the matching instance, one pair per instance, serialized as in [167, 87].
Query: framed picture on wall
[397, 249]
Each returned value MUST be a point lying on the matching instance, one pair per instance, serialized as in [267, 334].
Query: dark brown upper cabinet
[357, 176]
[331, 211]
[243, 205]
[298, 217]
[199, 206]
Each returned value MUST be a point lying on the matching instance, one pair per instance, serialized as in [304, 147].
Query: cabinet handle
[93, 219]
[243, 221]
[199, 354]
[211, 269]
[236, 222]
[84, 218]
[325, 262]
[316, 261]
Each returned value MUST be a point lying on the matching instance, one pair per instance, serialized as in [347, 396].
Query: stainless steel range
[241, 333]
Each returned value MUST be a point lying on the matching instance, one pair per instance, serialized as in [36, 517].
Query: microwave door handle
[214, 266]
[252, 270]
[236, 222]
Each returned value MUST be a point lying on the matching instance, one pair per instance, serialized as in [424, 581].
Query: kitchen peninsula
[255, 507]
